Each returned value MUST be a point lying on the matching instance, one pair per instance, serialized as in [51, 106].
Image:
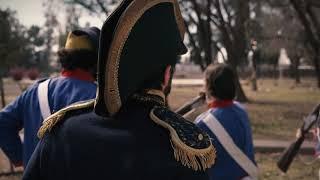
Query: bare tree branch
[89, 7]
[279, 4]
[103, 8]
[314, 3]
[222, 27]
[192, 20]
[304, 20]
[229, 17]
[314, 19]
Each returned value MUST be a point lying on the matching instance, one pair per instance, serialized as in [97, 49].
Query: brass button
[200, 137]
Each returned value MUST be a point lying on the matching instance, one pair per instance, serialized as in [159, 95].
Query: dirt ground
[275, 111]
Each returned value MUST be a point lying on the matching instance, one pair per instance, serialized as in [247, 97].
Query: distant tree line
[215, 26]
[20, 47]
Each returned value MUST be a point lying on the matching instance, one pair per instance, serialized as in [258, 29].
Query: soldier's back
[129, 146]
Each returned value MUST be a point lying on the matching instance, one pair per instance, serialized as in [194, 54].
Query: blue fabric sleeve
[11, 123]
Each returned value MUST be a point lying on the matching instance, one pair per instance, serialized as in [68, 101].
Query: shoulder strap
[43, 99]
[234, 151]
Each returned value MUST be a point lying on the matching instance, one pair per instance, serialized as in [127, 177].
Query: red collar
[78, 74]
[220, 103]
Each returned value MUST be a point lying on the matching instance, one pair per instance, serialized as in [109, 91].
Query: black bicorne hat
[137, 42]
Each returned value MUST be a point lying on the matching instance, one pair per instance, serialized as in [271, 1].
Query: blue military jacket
[235, 121]
[24, 113]
[129, 146]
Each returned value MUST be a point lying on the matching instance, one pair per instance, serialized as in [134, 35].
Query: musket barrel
[190, 105]
[289, 153]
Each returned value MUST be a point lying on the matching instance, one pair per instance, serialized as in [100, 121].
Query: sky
[31, 12]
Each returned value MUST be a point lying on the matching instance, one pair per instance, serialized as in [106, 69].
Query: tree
[229, 20]
[18, 45]
[98, 7]
[278, 28]
[50, 28]
[11, 43]
[211, 26]
[307, 14]
[199, 31]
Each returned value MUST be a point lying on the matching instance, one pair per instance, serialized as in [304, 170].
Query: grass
[298, 170]
[275, 113]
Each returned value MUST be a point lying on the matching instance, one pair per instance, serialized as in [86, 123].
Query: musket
[289, 153]
[194, 103]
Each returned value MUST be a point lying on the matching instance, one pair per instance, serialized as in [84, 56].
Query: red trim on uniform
[78, 74]
[220, 103]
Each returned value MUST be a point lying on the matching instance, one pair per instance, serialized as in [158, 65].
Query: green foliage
[18, 44]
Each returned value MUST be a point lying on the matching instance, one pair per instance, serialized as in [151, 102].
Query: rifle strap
[233, 150]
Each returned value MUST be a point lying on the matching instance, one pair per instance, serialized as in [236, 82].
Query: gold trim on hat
[126, 22]
[78, 42]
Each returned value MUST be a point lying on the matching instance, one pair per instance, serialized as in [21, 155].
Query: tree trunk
[275, 74]
[3, 101]
[312, 36]
[208, 34]
[240, 95]
[317, 68]
[296, 70]
[254, 86]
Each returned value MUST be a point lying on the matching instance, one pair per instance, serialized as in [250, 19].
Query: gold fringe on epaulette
[197, 159]
[52, 120]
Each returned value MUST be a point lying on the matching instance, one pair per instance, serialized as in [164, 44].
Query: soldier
[228, 125]
[127, 132]
[76, 83]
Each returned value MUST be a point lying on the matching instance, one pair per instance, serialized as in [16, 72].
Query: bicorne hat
[137, 42]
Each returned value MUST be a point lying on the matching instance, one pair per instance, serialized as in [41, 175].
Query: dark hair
[220, 81]
[78, 58]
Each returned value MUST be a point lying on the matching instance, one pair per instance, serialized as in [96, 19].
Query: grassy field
[275, 111]
[267, 164]
[299, 170]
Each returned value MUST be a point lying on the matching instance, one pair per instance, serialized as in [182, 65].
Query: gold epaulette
[192, 146]
[52, 120]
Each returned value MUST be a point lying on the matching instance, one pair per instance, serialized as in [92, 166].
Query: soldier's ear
[167, 74]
